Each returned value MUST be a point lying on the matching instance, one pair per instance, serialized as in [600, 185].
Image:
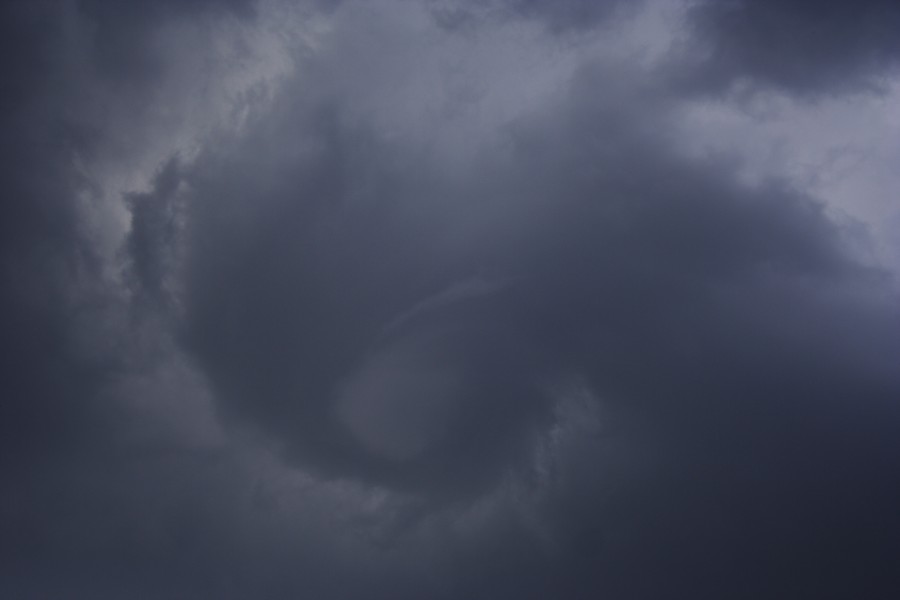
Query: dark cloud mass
[442, 300]
[798, 44]
[571, 16]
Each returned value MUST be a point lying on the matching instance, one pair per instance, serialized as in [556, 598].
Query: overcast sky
[449, 299]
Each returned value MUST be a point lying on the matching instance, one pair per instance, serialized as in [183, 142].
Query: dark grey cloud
[40, 244]
[564, 17]
[122, 48]
[801, 46]
[383, 339]
[51, 267]
[643, 285]
[60, 512]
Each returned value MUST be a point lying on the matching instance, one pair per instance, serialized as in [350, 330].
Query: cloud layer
[448, 300]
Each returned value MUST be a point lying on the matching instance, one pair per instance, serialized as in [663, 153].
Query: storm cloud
[447, 299]
[806, 47]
